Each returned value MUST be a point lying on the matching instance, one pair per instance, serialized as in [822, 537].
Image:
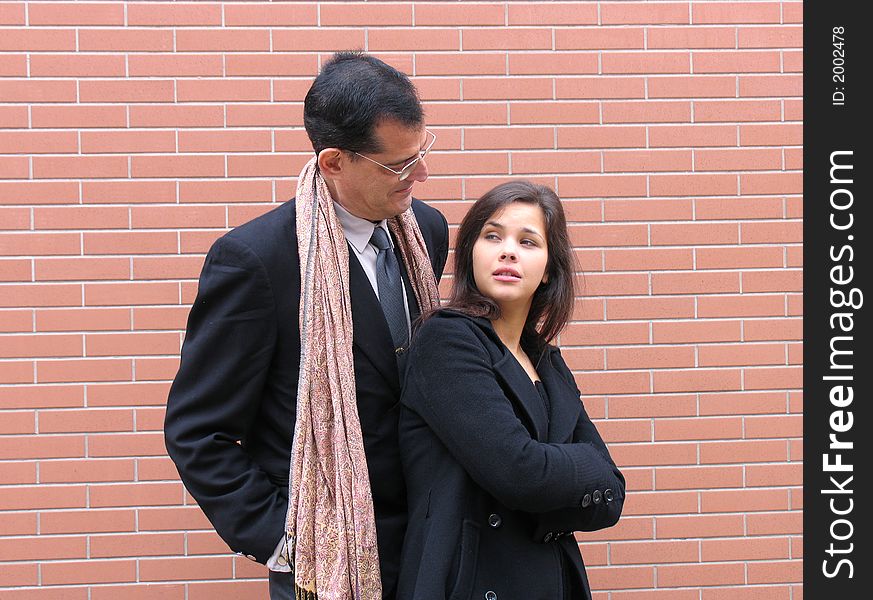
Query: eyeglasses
[407, 169]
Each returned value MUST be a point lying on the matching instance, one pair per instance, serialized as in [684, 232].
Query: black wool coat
[231, 409]
[496, 478]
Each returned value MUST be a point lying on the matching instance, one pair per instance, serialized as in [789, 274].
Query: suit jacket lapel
[524, 393]
[371, 333]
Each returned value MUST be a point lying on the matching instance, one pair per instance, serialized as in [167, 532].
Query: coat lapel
[563, 401]
[526, 396]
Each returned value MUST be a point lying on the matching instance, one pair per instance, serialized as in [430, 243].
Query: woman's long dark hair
[552, 303]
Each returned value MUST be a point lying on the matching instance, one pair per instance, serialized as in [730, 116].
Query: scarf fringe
[301, 594]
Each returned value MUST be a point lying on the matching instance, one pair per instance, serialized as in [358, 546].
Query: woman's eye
[491, 236]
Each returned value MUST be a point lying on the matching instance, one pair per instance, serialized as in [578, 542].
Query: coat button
[489, 595]
[586, 500]
[548, 537]
[281, 560]
[596, 496]
[607, 495]
[494, 520]
[251, 557]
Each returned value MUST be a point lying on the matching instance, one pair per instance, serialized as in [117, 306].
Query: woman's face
[510, 256]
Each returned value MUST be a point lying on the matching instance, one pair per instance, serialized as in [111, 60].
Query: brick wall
[133, 134]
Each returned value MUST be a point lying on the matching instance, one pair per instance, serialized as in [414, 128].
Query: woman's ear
[330, 162]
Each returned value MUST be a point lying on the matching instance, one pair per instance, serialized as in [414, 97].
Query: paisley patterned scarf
[330, 524]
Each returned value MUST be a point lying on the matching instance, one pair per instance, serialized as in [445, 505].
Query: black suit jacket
[497, 479]
[231, 408]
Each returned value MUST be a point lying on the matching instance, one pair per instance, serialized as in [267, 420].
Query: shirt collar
[358, 231]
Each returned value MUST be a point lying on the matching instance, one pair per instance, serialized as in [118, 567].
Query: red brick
[649, 308]
[81, 269]
[460, 64]
[557, 13]
[695, 478]
[648, 210]
[755, 12]
[128, 142]
[602, 186]
[141, 591]
[736, 62]
[171, 519]
[615, 383]
[788, 134]
[694, 86]
[13, 116]
[671, 594]
[15, 167]
[224, 39]
[773, 281]
[468, 113]
[518, 38]
[771, 232]
[672, 551]
[649, 62]
[16, 372]
[39, 192]
[654, 454]
[737, 110]
[649, 111]
[726, 258]
[783, 329]
[259, 115]
[646, 161]
[176, 166]
[373, 14]
[88, 572]
[136, 344]
[81, 217]
[563, 63]
[126, 444]
[17, 472]
[619, 13]
[699, 526]
[693, 185]
[156, 369]
[16, 321]
[79, 116]
[507, 88]
[130, 242]
[739, 208]
[625, 431]
[37, 40]
[746, 451]
[168, 267]
[656, 503]
[771, 183]
[544, 162]
[701, 575]
[174, 15]
[18, 523]
[178, 116]
[127, 192]
[741, 306]
[14, 66]
[12, 13]
[776, 572]
[128, 394]
[775, 523]
[65, 167]
[223, 90]
[738, 160]
[175, 65]
[749, 592]
[22, 575]
[77, 65]
[269, 165]
[38, 142]
[75, 14]
[691, 37]
[741, 355]
[33, 295]
[42, 548]
[771, 85]
[484, 138]
[616, 284]
[459, 14]
[89, 420]
[42, 345]
[137, 545]
[133, 90]
[775, 475]
[418, 39]
[135, 494]
[238, 590]
[770, 37]
[601, 137]
[773, 378]
[158, 468]
[648, 259]
[83, 370]
[271, 15]
[650, 357]
[669, 234]
[697, 380]
[692, 135]
[595, 88]
[16, 270]
[225, 141]
[42, 496]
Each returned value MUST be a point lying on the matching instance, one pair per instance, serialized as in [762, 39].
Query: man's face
[371, 192]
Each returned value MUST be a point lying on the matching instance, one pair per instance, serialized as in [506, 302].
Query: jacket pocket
[469, 554]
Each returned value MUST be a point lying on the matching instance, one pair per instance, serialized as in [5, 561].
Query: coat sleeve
[452, 386]
[216, 394]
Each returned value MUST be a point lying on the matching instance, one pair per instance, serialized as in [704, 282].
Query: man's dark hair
[552, 303]
[353, 93]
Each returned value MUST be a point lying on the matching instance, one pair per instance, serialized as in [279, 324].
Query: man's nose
[420, 172]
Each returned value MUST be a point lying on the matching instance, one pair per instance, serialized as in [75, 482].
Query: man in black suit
[232, 407]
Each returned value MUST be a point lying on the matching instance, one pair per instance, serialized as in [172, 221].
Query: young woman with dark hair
[501, 460]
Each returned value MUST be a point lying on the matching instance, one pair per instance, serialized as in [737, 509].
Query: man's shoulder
[427, 216]
[269, 236]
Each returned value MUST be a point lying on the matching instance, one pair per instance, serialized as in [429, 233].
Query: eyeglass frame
[408, 167]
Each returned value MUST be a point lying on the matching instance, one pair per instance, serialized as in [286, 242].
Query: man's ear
[331, 162]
